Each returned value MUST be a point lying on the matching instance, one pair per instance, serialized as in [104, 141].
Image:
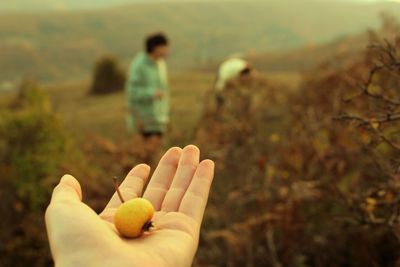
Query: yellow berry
[132, 216]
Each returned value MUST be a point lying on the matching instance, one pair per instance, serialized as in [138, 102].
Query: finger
[68, 189]
[195, 199]
[68, 192]
[132, 186]
[162, 177]
[187, 166]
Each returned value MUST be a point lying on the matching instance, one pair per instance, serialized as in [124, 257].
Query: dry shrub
[35, 151]
[296, 185]
[29, 134]
[108, 76]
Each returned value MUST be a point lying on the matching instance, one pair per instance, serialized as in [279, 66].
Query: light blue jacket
[145, 77]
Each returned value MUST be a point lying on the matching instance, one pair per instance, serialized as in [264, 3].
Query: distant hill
[51, 5]
[337, 53]
[341, 50]
[64, 5]
[63, 45]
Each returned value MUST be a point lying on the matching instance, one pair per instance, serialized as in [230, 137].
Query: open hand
[178, 190]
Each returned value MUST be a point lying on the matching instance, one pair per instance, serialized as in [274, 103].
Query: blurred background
[307, 154]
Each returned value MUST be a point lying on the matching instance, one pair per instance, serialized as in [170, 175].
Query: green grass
[106, 115]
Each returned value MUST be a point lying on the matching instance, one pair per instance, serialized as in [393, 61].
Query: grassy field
[288, 179]
[105, 115]
[96, 123]
[292, 186]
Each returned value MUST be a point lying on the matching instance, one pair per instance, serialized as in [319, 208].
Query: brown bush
[29, 133]
[108, 76]
[298, 186]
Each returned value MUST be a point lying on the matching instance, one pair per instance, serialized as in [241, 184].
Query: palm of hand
[178, 191]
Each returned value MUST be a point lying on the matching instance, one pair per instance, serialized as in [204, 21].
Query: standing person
[148, 94]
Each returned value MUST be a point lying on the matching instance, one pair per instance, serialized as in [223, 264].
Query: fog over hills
[51, 5]
[43, 5]
[64, 44]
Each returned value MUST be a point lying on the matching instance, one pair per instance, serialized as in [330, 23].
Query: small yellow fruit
[133, 216]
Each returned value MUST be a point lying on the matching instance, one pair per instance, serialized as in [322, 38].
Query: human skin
[178, 190]
[160, 52]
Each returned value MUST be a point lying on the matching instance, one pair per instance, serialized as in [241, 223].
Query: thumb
[68, 189]
[67, 196]
[67, 192]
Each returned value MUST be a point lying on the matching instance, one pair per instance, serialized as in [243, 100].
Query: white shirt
[228, 71]
[162, 70]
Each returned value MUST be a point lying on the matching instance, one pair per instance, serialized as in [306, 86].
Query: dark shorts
[147, 135]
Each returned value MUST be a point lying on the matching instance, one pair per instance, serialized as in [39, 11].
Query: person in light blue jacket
[148, 94]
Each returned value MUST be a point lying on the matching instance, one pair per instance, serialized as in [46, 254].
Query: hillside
[57, 5]
[340, 50]
[64, 45]
[306, 164]
[53, 5]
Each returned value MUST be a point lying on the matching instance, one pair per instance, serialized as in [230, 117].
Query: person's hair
[154, 40]
[246, 71]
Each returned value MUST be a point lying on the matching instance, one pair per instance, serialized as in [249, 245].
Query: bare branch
[390, 51]
[365, 121]
[389, 142]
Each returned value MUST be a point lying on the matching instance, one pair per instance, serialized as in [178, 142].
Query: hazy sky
[16, 5]
[379, 0]
[361, 1]
[364, 0]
